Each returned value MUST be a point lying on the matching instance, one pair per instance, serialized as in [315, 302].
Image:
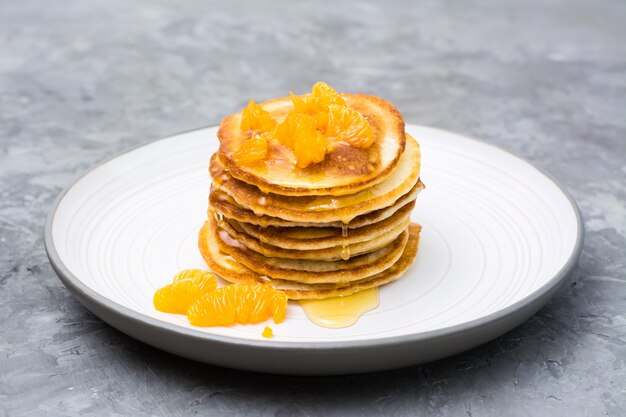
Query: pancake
[333, 176]
[311, 271]
[223, 203]
[327, 254]
[308, 238]
[324, 209]
[229, 269]
[229, 246]
[319, 206]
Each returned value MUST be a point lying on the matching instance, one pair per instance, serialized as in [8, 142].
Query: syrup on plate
[338, 312]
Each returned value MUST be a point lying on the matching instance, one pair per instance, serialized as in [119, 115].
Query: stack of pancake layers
[331, 229]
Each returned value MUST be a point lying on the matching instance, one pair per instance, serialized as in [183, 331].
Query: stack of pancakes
[331, 229]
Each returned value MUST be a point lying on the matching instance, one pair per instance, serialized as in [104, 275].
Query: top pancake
[344, 170]
[404, 179]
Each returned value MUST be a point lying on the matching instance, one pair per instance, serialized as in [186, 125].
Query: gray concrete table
[82, 81]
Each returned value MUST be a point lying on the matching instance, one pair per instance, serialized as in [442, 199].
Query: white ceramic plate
[498, 239]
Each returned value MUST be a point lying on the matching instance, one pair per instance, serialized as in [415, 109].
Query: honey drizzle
[339, 312]
[345, 252]
[345, 248]
[321, 203]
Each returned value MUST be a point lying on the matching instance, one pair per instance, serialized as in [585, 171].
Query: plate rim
[76, 286]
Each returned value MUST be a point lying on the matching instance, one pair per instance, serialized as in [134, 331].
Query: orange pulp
[317, 121]
[238, 303]
[187, 287]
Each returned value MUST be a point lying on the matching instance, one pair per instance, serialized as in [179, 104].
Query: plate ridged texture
[495, 232]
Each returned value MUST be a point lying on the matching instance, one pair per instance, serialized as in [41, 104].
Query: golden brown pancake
[223, 203]
[333, 228]
[344, 170]
[355, 268]
[324, 209]
[231, 270]
[308, 265]
[308, 238]
[326, 254]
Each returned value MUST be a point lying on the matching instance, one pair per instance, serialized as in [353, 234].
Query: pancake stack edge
[313, 247]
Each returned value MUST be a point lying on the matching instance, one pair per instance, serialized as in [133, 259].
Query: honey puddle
[338, 312]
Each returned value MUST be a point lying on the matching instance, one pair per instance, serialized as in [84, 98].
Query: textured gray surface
[82, 81]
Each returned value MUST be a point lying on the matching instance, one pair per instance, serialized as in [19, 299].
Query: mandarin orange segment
[205, 280]
[311, 129]
[238, 303]
[309, 144]
[252, 150]
[347, 125]
[254, 117]
[177, 297]
[187, 287]
[321, 121]
[303, 104]
[279, 307]
[285, 130]
[326, 95]
[310, 148]
[299, 133]
[322, 95]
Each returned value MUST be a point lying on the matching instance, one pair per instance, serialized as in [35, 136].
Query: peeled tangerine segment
[322, 95]
[347, 125]
[299, 133]
[238, 303]
[326, 95]
[252, 150]
[309, 148]
[285, 130]
[254, 117]
[188, 286]
[310, 130]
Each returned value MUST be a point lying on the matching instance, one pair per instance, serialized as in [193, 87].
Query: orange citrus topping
[346, 125]
[255, 118]
[238, 303]
[321, 120]
[310, 145]
[298, 132]
[267, 332]
[194, 292]
[187, 287]
[326, 95]
[322, 95]
[301, 104]
[285, 131]
[318, 121]
[252, 150]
